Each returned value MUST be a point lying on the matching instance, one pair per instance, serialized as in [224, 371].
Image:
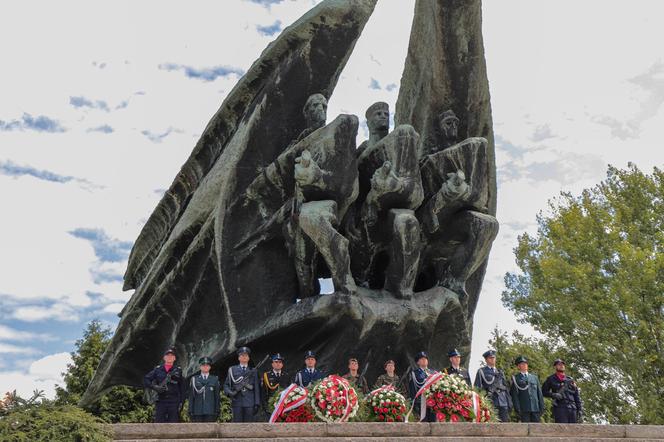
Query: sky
[102, 102]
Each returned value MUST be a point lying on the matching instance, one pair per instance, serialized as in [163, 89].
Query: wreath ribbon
[476, 407]
[281, 407]
[423, 404]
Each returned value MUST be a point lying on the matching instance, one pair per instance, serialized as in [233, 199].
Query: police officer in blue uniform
[492, 380]
[166, 379]
[567, 405]
[417, 379]
[204, 391]
[243, 388]
[455, 366]
[526, 393]
[309, 374]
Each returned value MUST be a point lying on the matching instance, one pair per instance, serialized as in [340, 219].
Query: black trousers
[243, 414]
[503, 414]
[167, 411]
[529, 416]
[564, 415]
[203, 417]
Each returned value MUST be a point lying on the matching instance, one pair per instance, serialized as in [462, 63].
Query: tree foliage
[119, 404]
[592, 283]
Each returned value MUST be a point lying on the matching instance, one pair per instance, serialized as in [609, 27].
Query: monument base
[374, 431]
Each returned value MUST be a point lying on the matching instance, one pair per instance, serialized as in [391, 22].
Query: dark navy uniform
[245, 400]
[492, 380]
[204, 399]
[170, 388]
[527, 395]
[271, 381]
[416, 381]
[567, 403]
[306, 377]
[461, 372]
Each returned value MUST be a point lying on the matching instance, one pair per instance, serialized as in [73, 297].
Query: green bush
[52, 423]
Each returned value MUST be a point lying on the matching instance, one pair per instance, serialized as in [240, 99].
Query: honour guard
[567, 406]
[204, 399]
[390, 378]
[358, 381]
[309, 374]
[166, 380]
[417, 379]
[243, 388]
[455, 366]
[272, 380]
[492, 380]
[526, 393]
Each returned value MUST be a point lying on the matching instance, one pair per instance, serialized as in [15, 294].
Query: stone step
[374, 431]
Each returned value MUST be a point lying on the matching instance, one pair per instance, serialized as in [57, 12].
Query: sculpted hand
[307, 171]
[384, 180]
[456, 186]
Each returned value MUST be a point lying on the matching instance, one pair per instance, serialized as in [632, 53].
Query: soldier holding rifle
[243, 388]
[493, 381]
[567, 406]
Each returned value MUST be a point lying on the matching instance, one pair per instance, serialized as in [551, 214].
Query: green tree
[592, 283]
[119, 404]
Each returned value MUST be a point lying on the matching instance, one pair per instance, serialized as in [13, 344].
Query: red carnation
[454, 418]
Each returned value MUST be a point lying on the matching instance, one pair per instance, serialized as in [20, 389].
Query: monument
[276, 195]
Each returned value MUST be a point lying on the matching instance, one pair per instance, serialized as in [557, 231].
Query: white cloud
[35, 313]
[15, 349]
[42, 374]
[11, 334]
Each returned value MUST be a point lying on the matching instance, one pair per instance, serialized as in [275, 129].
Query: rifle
[151, 393]
[366, 364]
[244, 383]
[403, 377]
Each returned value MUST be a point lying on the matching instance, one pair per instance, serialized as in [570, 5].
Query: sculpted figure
[315, 181]
[457, 228]
[384, 232]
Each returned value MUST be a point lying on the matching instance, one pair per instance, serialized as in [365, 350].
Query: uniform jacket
[527, 393]
[462, 372]
[204, 395]
[359, 382]
[247, 397]
[570, 392]
[495, 384]
[384, 379]
[417, 378]
[303, 378]
[270, 383]
[176, 386]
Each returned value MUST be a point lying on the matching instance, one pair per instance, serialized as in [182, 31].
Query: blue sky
[101, 104]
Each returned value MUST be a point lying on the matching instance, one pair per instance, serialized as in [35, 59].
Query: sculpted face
[379, 120]
[315, 111]
[449, 127]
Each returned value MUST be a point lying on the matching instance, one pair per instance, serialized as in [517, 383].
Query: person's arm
[257, 393]
[478, 380]
[190, 407]
[228, 388]
[148, 379]
[515, 396]
[547, 388]
[540, 398]
[217, 398]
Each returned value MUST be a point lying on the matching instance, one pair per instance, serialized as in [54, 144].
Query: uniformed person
[166, 379]
[390, 378]
[358, 381]
[455, 366]
[417, 379]
[204, 394]
[272, 380]
[526, 393]
[309, 374]
[492, 380]
[567, 405]
[243, 388]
